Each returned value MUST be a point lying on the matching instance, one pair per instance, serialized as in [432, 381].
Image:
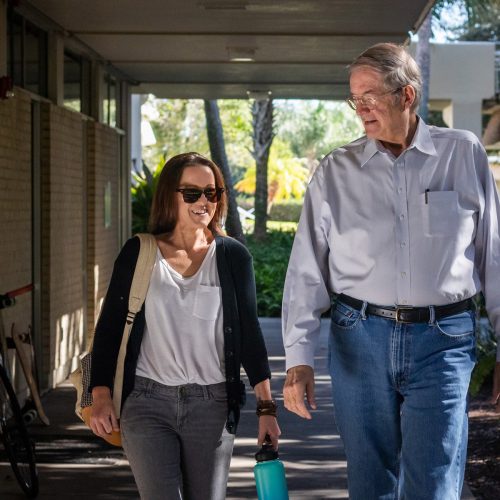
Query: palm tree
[287, 176]
[262, 113]
[218, 152]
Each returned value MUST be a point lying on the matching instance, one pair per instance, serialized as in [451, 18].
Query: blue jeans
[400, 402]
[175, 440]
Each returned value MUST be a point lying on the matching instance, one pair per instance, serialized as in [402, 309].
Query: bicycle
[18, 445]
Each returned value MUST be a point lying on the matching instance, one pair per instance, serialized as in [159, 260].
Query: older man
[402, 225]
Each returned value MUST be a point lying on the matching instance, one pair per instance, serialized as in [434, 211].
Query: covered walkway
[74, 464]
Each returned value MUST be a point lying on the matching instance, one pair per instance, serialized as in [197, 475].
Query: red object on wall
[5, 87]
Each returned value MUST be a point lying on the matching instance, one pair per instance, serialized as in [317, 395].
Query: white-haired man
[402, 226]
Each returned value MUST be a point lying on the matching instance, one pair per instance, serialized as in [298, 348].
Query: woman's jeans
[175, 440]
[400, 399]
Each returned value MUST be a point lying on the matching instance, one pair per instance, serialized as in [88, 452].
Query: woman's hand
[103, 419]
[268, 425]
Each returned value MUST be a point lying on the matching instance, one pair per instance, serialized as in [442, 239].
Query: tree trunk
[423, 58]
[218, 153]
[492, 132]
[262, 113]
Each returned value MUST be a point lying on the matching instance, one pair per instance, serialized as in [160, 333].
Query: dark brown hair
[164, 209]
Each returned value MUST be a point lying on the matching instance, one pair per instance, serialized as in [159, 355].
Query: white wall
[462, 75]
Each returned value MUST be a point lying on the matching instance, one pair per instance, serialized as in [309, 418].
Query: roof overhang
[226, 48]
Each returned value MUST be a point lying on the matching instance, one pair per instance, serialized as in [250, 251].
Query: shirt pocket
[207, 302]
[440, 213]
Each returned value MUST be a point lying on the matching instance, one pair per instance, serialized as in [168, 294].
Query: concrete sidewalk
[72, 463]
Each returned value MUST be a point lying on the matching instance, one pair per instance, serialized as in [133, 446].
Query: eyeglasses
[368, 100]
[192, 195]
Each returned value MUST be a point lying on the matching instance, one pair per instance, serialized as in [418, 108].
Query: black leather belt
[404, 314]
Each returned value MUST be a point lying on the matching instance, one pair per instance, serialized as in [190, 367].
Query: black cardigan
[243, 340]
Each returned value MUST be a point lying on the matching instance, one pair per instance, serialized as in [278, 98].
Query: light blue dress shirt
[417, 230]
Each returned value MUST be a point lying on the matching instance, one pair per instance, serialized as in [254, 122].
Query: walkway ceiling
[190, 48]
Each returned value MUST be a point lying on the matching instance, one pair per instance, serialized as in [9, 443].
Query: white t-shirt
[183, 339]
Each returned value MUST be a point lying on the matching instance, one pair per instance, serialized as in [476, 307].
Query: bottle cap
[267, 452]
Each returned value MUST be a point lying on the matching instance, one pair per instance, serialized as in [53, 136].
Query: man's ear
[409, 95]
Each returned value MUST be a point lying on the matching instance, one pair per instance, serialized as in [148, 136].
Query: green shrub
[144, 185]
[288, 211]
[270, 260]
[486, 349]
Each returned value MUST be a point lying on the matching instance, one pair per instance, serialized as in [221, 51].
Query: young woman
[182, 390]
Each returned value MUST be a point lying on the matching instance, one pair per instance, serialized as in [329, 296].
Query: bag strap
[138, 290]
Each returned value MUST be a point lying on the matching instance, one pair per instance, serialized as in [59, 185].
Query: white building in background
[462, 77]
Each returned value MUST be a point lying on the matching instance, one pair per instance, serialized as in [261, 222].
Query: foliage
[287, 176]
[179, 126]
[314, 128]
[483, 23]
[479, 20]
[143, 186]
[237, 124]
[270, 260]
[486, 348]
[288, 210]
[436, 118]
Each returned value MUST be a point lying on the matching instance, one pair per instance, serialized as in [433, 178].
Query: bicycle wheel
[17, 443]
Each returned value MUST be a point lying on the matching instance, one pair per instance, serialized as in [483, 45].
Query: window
[76, 82]
[27, 54]
[110, 100]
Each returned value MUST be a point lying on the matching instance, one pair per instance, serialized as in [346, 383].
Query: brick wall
[103, 145]
[15, 210]
[63, 250]
[79, 165]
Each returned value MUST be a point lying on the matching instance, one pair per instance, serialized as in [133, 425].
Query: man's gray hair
[395, 64]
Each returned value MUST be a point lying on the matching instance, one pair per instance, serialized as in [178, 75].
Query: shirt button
[404, 301]
[402, 216]
[400, 190]
[229, 354]
[403, 244]
[228, 329]
[403, 275]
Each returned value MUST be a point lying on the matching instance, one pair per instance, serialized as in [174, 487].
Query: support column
[3, 38]
[55, 68]
[96, 95]
[126, 122]
[464, 115]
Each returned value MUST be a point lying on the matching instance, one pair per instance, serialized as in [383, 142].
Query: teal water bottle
[269, 474]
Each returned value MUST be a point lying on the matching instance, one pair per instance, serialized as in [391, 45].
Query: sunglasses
[192, 195]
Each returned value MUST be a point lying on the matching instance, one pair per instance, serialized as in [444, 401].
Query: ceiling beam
[242, 34]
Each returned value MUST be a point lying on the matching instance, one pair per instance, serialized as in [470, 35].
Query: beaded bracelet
[266, 407]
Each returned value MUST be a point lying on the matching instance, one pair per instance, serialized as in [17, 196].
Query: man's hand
[299, 381]
[495, 396]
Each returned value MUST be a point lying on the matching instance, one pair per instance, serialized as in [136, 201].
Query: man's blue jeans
[400, 400]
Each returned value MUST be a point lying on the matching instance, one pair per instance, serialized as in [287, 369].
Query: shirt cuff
[299, 354]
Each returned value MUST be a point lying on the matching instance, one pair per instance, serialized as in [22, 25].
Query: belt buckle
[398, 313]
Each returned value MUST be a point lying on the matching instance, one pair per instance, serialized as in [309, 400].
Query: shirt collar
[371, 148]
[421, 140]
